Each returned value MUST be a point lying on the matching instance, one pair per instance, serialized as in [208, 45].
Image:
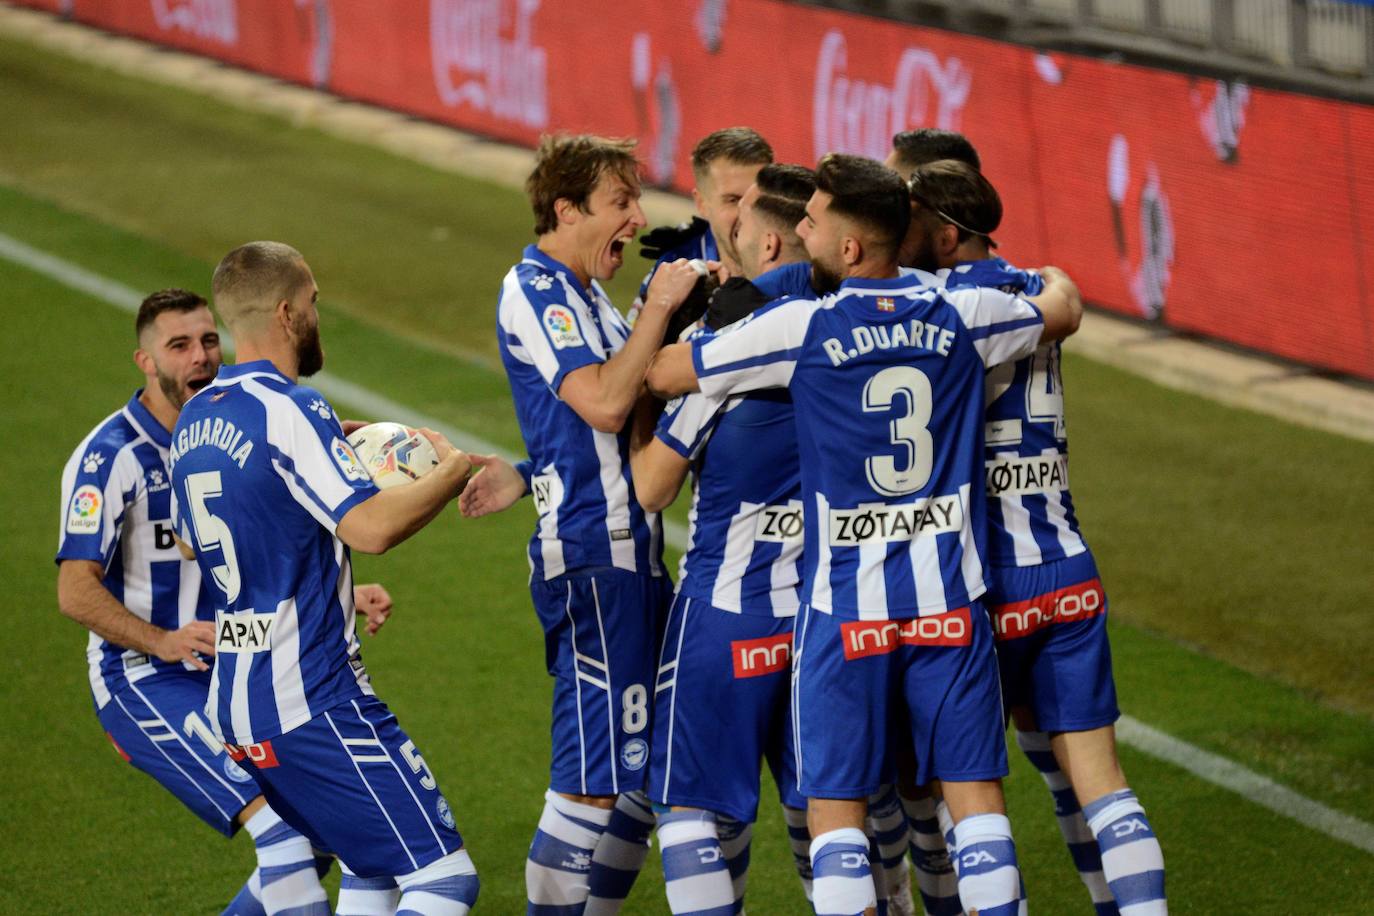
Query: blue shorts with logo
[601, 630]
[353, 783]
[857, 683]
[1051, 626]
[721, 707]
[158, 725]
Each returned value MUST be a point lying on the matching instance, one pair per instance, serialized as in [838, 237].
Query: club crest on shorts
[445, 813]
[634, 754]
[235, 772]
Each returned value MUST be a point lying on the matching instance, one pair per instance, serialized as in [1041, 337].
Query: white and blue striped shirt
[117, 511]
[263, 475]
[549, 325]
[886, 378]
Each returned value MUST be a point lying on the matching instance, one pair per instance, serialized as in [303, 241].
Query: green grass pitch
[1234, 547]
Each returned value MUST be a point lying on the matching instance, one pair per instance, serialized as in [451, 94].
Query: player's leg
[445, 887]
[782, 760]
[959, 736]
[935, 876]
[366, 896]
[839, 767]
[888, 825]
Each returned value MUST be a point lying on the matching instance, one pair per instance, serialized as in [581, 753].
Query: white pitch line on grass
[1205, 765]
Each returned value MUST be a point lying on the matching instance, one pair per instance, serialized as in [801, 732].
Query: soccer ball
[393, 453]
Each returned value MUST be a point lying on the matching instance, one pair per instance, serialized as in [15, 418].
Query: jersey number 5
[212, 532]
[908, 432]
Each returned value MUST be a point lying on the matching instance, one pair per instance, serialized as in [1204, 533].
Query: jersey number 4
[211, 531]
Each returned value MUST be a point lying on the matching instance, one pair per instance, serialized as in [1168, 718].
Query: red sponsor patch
[753, 657]
[127, 758]
[863, 638]
[1073, 602]
[260, 755]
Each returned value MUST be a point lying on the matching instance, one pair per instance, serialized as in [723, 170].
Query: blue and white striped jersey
[548, 325]
[795, 280]
[117, 511]
[745, 528]
[887, 380]
[262, 476]
[1027, 447]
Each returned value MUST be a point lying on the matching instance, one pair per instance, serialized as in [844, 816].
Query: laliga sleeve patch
[347, 460]
[83, 517]
[561, 324]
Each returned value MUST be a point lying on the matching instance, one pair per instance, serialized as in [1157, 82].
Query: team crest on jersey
[634, 754]
[542, 282]
[445, 813]
[92, 462]
[347, 460]
[561, 324]
[84, 515]
[320, 407]
[234, 771]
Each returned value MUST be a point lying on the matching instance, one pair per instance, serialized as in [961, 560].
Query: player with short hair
[273, 499]
[912, 148]
[886, 377]
[1048, 607]
[721, 701]
[597, 581]
[121, 576]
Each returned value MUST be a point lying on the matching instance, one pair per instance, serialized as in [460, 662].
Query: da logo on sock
[634, 754]
[234, 771]
[445, 812]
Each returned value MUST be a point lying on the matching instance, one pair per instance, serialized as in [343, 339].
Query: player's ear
[947, 240]
[700, 202]
[144, 361]
[772, 247]
[851, 250]
[566, 211]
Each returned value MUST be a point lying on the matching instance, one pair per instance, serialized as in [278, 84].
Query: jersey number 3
[908, 432]
[211, 531]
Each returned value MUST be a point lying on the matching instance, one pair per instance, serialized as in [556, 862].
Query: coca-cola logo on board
[857, 116]
[216, 20]
[484, 58]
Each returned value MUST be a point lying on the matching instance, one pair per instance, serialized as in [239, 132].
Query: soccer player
[576, 373]
[121, 576]
[912, 148]
[886, 378]
[1044, 593]
[721, 701]
[272, 498]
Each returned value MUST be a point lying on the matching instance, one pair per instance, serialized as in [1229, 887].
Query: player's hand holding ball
[395, 454]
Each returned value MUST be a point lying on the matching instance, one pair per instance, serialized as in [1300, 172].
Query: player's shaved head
[253, 278]
[954, 193]
[869, 195]
[568, 167]
[912, 148]
[165, 300]
[740, 145]
[783, 193]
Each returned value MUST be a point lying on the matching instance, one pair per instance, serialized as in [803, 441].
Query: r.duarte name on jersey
[217, 431]
[869, 337]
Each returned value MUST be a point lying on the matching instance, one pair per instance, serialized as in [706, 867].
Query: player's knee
[446, 887]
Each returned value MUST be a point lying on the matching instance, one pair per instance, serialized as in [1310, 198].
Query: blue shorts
[856, 681]
[158, 724]
[351, 781]
[1051, 625]
[720, 708]
[601, 631]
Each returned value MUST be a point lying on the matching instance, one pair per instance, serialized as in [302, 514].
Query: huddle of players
[855, 417]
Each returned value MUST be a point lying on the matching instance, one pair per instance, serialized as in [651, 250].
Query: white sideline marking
[1205, 765]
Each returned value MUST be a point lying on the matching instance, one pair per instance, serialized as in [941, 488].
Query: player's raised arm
[672, 374]
[387, 518]
[1059, 303]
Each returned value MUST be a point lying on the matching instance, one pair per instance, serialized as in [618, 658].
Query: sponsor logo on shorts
[260, 755]
[754, 657]
[235, 772]
[347, 460]
[244, 633]
[1026, 476]
[561, 324]
[634, 754]
[780, 524]
[1065, 605]
[863, 638]
[83, 517]
[890, 524]
[445, 813]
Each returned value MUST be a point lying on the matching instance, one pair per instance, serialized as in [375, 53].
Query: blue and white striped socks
[735, 839]
[843, 879]
[366, 896]
[696, 874]
[447, 887]
[1074, 827]
[248, 901]
[799, 837]
[560, 856]
[619, 854]
[935, 877]
[1132, 860]
[891, 834]
[286, 868]
[989, 879]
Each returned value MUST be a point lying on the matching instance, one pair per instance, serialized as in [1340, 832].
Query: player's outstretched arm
[1060, 303]
[375, 603]
[495, 487]
[604, 394]
[656, 471]
[384, 520]
[82, 596]
[672, 372]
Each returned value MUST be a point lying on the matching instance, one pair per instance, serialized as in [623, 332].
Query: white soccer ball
[393, 453]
